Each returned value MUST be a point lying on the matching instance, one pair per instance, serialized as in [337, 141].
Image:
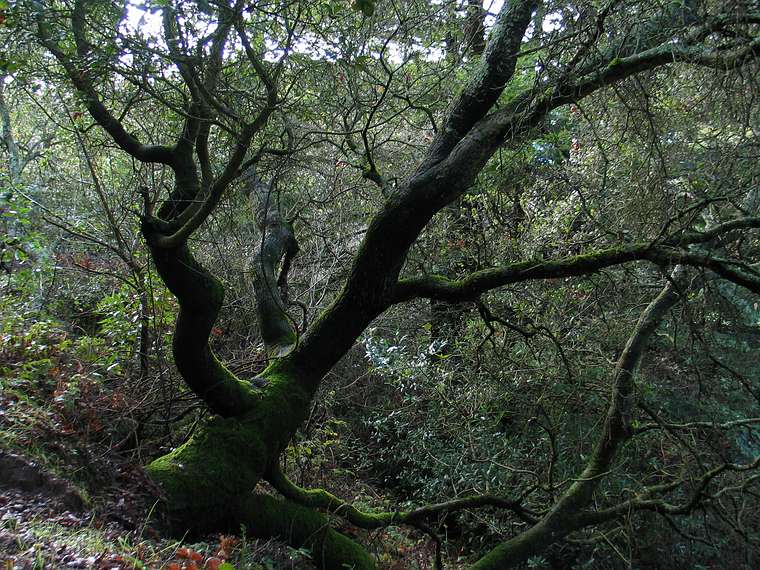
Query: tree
[220, 86]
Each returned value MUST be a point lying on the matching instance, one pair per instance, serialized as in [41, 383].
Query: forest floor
[66, 502]
[49, 522]
[73, 493]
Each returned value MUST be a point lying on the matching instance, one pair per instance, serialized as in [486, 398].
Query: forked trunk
[209, 482]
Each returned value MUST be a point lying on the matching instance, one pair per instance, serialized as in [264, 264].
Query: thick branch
[200, 297]
[278, 244]
[474, 285]
[265, 517]
[81, 80]
[497, 67]
[529, 108]
[193, 217]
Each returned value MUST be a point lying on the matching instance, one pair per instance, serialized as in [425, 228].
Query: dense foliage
[488, 274]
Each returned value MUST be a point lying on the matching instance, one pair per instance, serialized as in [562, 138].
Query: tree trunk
[277, 243]
[208, 482]
[8, 228]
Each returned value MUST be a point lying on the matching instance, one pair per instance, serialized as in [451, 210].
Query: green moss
[264, 516]
[321, 499]
[226, 457]
[204, 476]
[208, 488]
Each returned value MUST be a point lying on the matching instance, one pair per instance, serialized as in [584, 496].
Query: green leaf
[367, 7]
[8, 66]
[362, 62]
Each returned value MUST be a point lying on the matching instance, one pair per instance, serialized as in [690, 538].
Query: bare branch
[81, 80]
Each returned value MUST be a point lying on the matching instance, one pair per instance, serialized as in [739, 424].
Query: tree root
[265, 516]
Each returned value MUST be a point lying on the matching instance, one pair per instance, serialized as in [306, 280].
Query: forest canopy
[487, 273]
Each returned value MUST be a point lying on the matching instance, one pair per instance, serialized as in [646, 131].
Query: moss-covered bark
[200, 297]
[527, 544]
[209, 481]
[277, 244]
[204, 478]
[226, 457]
[266, 516]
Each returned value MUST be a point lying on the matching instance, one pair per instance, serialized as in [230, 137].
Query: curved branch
[321, 499]
[697, 425]
[474, 285]
[193, 217]
[266, 517]
[642, 502]
[81, 80]
[200, 297]
[564, 517]
[528, 109]
[277, 244]
[497, 66]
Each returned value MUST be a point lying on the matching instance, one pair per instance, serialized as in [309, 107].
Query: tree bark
[277, 245]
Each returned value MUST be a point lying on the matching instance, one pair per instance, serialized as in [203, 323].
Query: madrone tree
[218, 79]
